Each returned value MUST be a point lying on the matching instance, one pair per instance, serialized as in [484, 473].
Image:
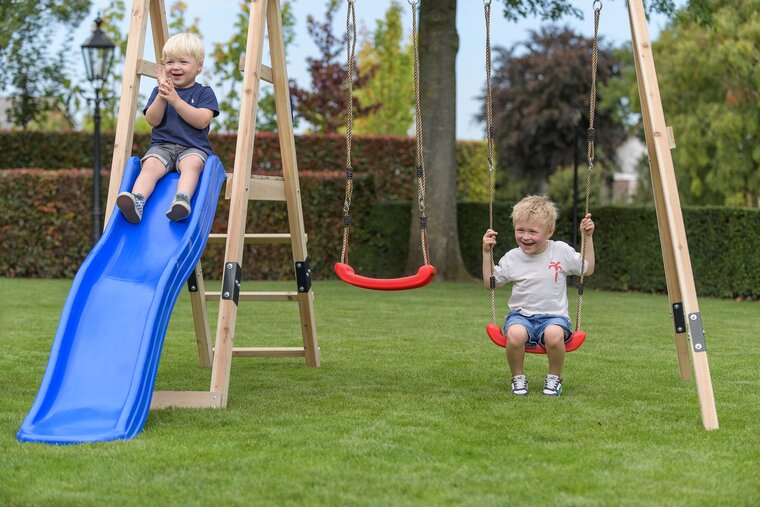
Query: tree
[391, 85]
[707, 70]
[32, 75]
[229, 78]
[541, 105]
[324, 106]
[438, 45]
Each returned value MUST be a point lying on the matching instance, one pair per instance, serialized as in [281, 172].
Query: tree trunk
[438, 45]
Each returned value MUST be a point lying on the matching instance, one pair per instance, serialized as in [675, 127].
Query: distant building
[628, 157]
[5, 106]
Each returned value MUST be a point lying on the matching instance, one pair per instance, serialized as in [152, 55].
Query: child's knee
[191, 163]
[554, 336]
[517, 334]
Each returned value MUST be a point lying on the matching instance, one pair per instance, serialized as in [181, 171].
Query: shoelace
[520, 383]
[552, 383]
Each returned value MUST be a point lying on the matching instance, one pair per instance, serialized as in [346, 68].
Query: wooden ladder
[265, 17]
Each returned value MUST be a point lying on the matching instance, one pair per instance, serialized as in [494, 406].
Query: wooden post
[290, 176]
[680, 278]
[225, 329]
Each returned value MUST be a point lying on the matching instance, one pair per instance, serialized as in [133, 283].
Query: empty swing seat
[424, 276]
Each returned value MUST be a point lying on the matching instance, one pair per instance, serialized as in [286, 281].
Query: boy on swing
[180, 111]
[538, 269]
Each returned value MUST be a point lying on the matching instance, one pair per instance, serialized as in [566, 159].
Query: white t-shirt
[539, 282]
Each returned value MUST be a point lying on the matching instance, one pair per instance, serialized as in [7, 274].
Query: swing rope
[345, 272]
[590, 151]
[494, 330]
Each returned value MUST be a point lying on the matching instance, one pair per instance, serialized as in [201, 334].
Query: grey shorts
[171, 154]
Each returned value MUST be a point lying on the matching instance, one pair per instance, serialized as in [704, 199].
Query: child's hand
[489, 240]
[166, 90]
[587, 225]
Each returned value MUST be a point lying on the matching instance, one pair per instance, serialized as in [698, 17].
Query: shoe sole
[178, 212]
[126, 204]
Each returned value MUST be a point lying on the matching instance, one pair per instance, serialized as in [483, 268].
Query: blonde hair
[536, 208]
[183, 44]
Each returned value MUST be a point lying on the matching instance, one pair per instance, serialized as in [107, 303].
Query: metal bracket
[303, 275]
[697, 333]
[231, 281]
[679, 319]
[192, 282]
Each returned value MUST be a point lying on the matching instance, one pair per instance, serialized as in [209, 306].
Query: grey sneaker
[131, 206]
[552, 385]
[520, 385]
[179, 209]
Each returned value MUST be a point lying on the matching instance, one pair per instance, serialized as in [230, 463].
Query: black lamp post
[97, 52]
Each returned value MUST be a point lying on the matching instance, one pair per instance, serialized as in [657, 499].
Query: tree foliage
[710, 86]
[391, 86]
[541, 105]
[37, 80]
[325, 106]
[229, 78]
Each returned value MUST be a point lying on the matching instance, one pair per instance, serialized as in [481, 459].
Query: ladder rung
[268, 352]
[262, 188]
[266, 71]
[257, 296]
[256, 239]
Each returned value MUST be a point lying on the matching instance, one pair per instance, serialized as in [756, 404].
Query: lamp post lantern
[97, 52]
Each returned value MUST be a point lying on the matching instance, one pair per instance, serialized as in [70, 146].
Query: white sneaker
[552, 385]
[520, 385]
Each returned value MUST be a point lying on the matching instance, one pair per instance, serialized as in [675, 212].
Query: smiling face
[182, 70]
[532, 236]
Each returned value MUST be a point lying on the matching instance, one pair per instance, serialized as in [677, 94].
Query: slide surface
[102, 368]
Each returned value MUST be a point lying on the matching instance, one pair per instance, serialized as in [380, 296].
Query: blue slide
[99, 379]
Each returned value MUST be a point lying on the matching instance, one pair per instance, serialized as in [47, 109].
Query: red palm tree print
[556, 266]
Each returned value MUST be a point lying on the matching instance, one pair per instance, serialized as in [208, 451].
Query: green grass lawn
[410, 407]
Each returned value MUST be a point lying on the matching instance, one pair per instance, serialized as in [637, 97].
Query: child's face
[532, 237]
[182, 70]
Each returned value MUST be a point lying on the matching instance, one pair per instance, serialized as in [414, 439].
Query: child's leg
[152, 171]
[190, 168]
[517, 337]
[554, 342]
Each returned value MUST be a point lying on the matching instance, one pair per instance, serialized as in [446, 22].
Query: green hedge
[384, 157]
[46, 232]
[724, 247]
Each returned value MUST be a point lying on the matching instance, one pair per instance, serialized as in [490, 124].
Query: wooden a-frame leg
[197, 289]
[670, 218]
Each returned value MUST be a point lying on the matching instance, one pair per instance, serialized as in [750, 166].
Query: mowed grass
[410, 407]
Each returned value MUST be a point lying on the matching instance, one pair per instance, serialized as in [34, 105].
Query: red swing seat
[423, 277]
[497, 336]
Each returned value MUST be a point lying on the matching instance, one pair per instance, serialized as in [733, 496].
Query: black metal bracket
[679, 319]
[697, 333]
[192, 282]
[231, 281]
[303, 275]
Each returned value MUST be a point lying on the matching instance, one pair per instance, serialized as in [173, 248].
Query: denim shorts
[171, 154]
[536, 325]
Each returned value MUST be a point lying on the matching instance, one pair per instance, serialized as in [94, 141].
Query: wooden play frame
[267, 14]
[265, 17]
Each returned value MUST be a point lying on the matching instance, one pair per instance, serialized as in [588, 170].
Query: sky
[217, 16]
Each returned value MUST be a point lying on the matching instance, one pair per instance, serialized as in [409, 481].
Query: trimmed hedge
[387, 158]
[724, 247]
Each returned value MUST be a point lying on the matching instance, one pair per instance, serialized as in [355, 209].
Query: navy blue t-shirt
[173, 129]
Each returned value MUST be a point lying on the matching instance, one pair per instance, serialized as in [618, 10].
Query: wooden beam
[185, 399]
[130, 91]
[225, 329]
[669, 208]
[290, 174]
